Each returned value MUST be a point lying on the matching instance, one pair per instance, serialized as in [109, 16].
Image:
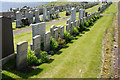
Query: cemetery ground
[28, 35]
[81, 58]
[62, 16]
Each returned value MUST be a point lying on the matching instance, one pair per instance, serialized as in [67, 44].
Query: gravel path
[51, 22]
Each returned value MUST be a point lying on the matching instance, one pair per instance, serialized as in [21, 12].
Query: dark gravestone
[7, 36]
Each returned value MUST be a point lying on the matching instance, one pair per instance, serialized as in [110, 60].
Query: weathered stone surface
[73, 14]
[39, 29]
[47, 41]
[37, 19]
[18, 20]
[35, 29]
[62, 32]
[55, 34]
[36, 44]
[6, 37]
[71, 28]
[42, 30]
[52, 30]
[67, 27]
[44, 13]
[30, 18]
[21, 58]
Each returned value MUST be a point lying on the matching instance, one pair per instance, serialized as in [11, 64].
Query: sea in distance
[5, 6]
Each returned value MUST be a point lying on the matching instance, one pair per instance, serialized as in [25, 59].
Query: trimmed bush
[51, 52]
[82, 27]
[31, 58]
[86, 24]
[67, 37]
[61, 41]
[75, 31]
[53, 44]
[78, 28]
[43, 56]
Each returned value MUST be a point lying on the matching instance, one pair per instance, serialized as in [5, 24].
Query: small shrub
[67, 37]
[82, 27]
[43, 56]
[94, 19]
[78, 28]
[53, 44]
[86, 24]
[60, 41]
[91, 20]
[75, 31]
[51, 52]
[31, 58]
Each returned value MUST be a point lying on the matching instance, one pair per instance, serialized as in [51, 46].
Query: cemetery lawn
[82, 58]
[113, 8]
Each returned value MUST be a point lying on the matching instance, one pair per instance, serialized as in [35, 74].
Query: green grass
[111, 9]
[81, 58]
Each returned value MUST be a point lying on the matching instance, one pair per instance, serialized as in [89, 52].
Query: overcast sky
[41, 0]
[47, 0]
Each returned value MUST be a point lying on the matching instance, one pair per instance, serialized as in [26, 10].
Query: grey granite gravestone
[36, 44]
[42, 30]
[47, 41]
[30, 18]
[52, 30]
[37, 19]
[21, 58]
[67, 27]
[18, 19]
[73, 15]
[55, 34]
[6, 38]
[62, 32]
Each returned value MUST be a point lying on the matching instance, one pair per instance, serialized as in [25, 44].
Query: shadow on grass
[6, 77]
[24, 73]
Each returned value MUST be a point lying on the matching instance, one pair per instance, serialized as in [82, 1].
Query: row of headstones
[104, 6]
[29, 17]
[39, 36]
[72, 22]
[68, 9]
[52, 14]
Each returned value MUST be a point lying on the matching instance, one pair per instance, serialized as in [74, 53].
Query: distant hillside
[56, 3]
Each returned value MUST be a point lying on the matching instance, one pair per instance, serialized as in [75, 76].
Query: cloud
[28, 0]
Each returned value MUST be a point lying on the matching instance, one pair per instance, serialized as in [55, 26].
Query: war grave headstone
[67, 27]
[73, 15]
[52, 30]
[55, 34]
[6, 37]
[61, 32]
[44, 13]
[48, 15]
[30, 18]
[36, 44]
[37, 19]
[71, 27]
[39, 29]
[21, 58]
[47, 41]
[18, 19]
